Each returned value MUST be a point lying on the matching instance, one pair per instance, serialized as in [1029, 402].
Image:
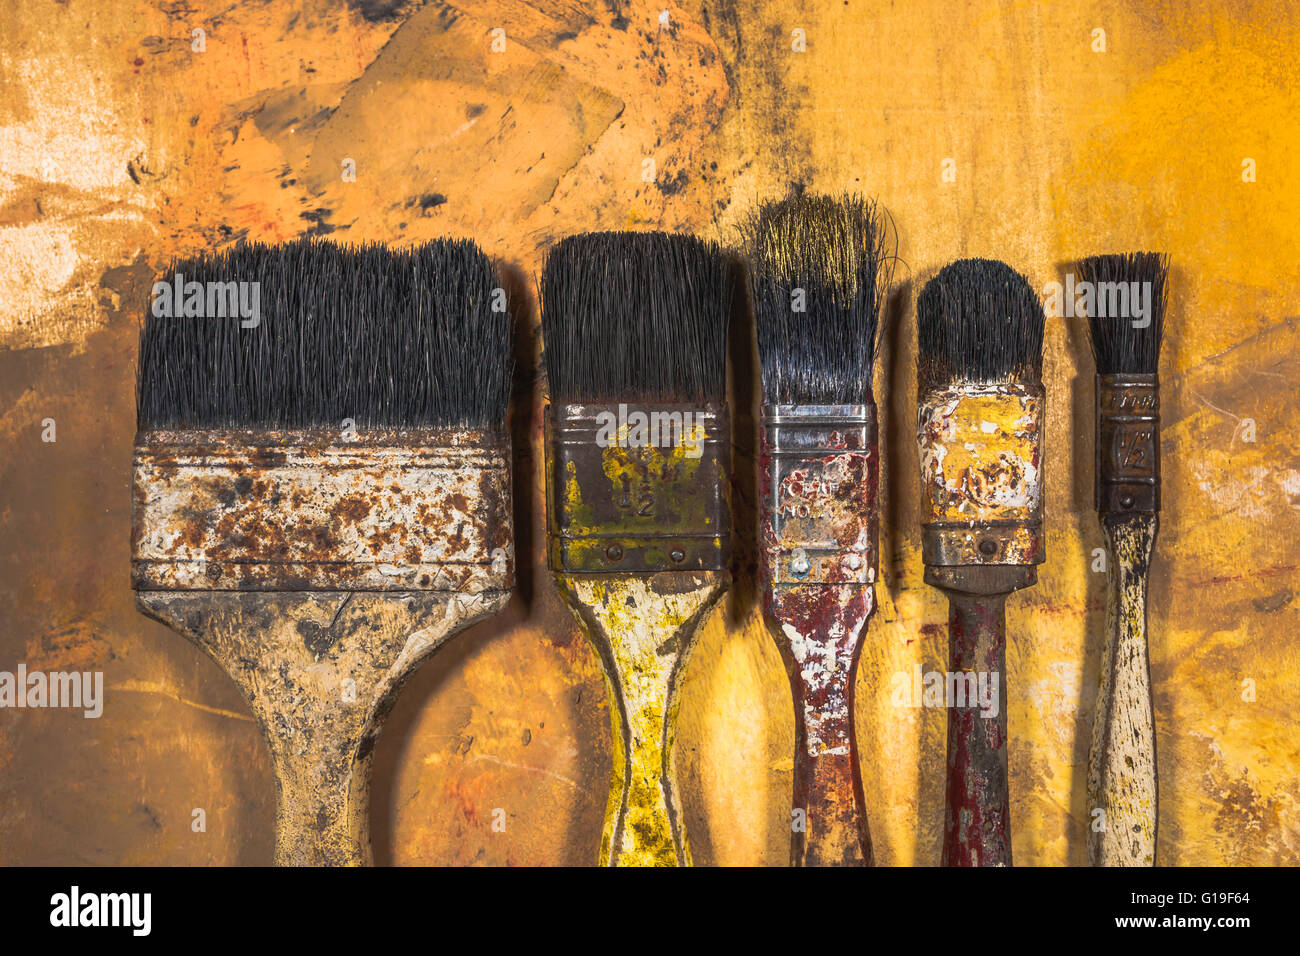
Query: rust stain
[209, 517]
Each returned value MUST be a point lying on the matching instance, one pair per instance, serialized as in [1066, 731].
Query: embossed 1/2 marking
[1131, 452]
[645, 504]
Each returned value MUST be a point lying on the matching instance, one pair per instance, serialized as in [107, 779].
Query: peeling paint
[643, 628]
[818, 524]
[981, 454]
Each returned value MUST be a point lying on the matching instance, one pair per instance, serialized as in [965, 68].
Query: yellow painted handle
[643, 628]
[1122, 760]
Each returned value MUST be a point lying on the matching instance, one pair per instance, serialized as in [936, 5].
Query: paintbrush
[819, 269]
[979, 428]
[638, 514]
[322, 497]
[1127, 322]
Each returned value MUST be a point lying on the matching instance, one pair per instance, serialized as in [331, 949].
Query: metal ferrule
[1128, 444]
[637, 487]
[264, 510]
[818, 493]
[981, 475]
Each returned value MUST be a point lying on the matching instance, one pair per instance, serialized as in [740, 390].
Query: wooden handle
[320, 671]
[977, 829]
[828, 788]
[818, 629]
[643, 627]
[1122, 759]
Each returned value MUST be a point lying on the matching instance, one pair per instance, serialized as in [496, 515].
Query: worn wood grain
[320, 672]
[1122, 758]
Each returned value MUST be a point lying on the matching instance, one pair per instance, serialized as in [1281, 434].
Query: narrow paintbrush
[638, 516]
[819, 268]
[1127, 323]
[322, 495]
[979, 427]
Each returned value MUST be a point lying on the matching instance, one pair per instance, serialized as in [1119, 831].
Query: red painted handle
[820, 635]
[818, 471]
[977, 829]
[828, 788]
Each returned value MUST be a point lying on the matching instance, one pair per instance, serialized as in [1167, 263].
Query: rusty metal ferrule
[638, 487]
[269, 510]
[818, 475]
[981, 475]
[1128, 443]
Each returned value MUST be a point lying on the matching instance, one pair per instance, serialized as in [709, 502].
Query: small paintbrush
[638, 513]
[1127, 323]
[322, 496]
[819, 269]
[979, 428]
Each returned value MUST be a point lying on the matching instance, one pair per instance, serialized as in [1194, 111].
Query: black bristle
[837, 251]
[1117, 345]
[978, 322]
[635, 315]
[387, 338]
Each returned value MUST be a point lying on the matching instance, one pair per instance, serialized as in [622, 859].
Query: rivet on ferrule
[818, 485]
[1128, 443]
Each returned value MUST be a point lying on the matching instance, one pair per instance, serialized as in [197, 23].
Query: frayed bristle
[979, 322]
[387, 338]
[635, 315]
[1118, 346]
[819, 271]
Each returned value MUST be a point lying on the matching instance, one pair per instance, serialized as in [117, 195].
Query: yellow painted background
[121, 145]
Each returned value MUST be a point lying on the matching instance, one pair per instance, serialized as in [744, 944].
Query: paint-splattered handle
[820, 636]
[977, 828]
[643, 824]
[643, 627]
[1122, 760]
[828, 790]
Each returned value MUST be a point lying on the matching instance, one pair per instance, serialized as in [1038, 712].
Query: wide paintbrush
[638, 514]
[979, 428]
[322, 498]
[819, 268]
[1127, 324]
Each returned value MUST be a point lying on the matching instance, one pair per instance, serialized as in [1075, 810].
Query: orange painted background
[122, 143]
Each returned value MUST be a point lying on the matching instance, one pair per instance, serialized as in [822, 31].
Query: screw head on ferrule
[1128, 443]
[818, 493]
[981, 475]
[638, 487]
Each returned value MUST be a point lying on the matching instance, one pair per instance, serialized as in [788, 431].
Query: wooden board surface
[1001, 129]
